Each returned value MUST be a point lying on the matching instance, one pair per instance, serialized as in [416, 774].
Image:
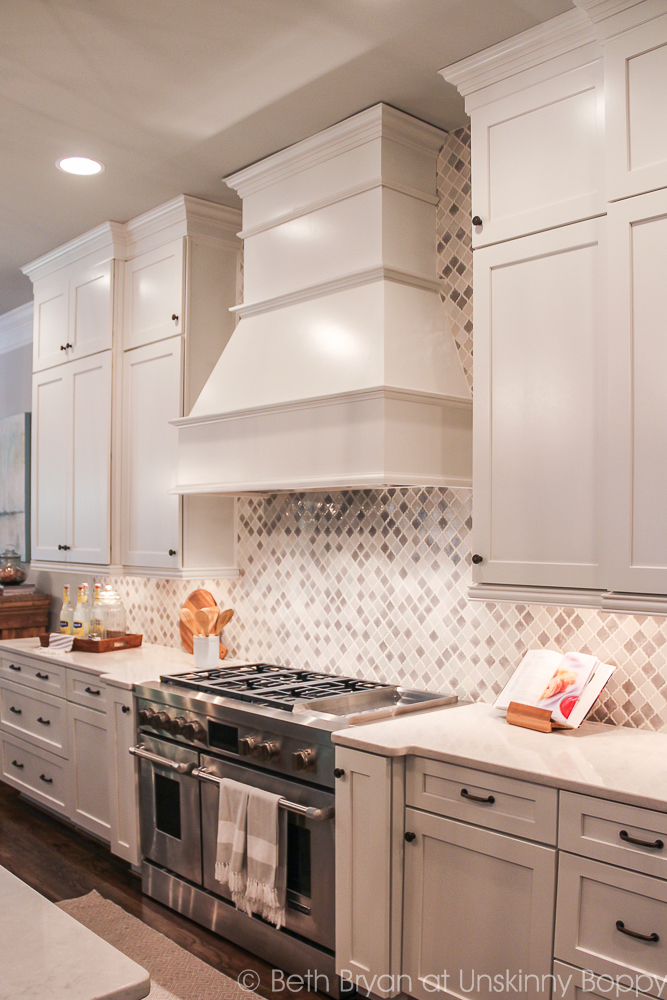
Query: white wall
[16, 361]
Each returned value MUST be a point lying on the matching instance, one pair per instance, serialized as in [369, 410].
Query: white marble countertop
[627, 765]
[121, 668]
[47, 955]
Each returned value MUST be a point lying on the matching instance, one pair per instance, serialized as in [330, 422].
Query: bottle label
[65, 627]
[77, 628]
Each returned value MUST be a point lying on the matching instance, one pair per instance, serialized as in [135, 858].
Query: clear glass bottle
[114, 613]
[66, 613]
[97, 629]
[81, 617]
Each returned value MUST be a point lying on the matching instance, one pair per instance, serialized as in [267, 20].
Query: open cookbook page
[560, 683]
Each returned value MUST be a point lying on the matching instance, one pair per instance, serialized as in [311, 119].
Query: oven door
[310, 848]
[169, 807]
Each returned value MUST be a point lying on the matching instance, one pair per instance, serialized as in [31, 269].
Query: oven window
[298, 857]
[167, 806]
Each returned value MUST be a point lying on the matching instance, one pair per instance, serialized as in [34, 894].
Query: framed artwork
[15, 484]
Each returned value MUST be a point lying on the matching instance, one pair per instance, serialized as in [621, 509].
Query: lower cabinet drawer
[35, 717]
[611, 921]
[491, 800]
[38, 774]
[86, 689]
[47, 676]
[569, 983]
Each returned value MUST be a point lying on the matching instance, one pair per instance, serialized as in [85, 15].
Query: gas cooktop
[271, 685]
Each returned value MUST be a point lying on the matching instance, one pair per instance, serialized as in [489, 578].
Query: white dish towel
[252, 849]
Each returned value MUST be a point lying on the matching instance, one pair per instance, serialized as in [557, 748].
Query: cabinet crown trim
[613, 17]
[565, 33]
[110, 236]
[16, 328]
[183, 216]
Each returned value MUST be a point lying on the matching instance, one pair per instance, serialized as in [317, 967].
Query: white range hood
[342, 371]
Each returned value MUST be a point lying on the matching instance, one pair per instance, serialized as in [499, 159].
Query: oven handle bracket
[294, 807]
[172, 765]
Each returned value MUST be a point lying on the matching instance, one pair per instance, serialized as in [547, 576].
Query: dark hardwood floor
[61, 863]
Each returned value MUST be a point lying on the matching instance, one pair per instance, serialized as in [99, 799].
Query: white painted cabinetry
[154, 289]
[123, 796]
[89, 769]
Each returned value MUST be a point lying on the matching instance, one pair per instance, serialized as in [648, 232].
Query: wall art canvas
[15, 483]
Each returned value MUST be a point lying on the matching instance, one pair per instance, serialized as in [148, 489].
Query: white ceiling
[171, 95]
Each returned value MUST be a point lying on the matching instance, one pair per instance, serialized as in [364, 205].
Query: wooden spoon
[224, 618]
[212, 618]
[189, 619]
[204, 621]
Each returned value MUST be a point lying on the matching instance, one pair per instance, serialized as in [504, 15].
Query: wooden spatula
[224, 618]
[187, 616]
[203, 621]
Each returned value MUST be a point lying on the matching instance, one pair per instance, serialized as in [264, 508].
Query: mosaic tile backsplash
[374, 583]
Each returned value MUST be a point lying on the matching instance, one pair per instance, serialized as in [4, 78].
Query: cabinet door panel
[537, 424]
[153, 294]
[122, 776]
[152, 392]
[51, 462]
[89, 769]
[90, 303]
[91, 455]
[50, 322]
[638, 403]
[477, 904]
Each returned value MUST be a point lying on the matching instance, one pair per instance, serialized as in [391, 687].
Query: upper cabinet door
[636, 85]
[51, 463]
[638, 398]
[538, 157]
[538, 453]
[154, 295]
[89, 507]
[90, 310]
[51, 322]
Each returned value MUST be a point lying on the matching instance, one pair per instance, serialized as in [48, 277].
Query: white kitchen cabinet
[89, 770]
[123, 794]
[36, 773]
[50, 321]
[154, 295]
[538, 430]
[478, 904]
[71, 461]
[638, 402]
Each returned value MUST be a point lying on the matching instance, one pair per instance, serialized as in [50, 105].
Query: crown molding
[378, 122]
[16, 328]
[109, 238]
[183, 216]
[613, 17]
[559, 36]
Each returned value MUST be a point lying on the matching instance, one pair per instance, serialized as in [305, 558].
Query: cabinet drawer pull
[63, 548]
[90, 690]
[42, 677]
[44, 722]
[47, 781]
[13, 666]
[16, 711]
[620, 926]
[125, 709]
[487, 800]
[15, 763]
[656, 845]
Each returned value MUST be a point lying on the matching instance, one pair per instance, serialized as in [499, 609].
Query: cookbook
[566, 685]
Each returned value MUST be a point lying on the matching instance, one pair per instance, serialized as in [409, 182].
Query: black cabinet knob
[477, 559]
[477, 220]
[339, 772]
[172, 552]
[125, 709]
[410, 836]
[174, 317]
[63, 548]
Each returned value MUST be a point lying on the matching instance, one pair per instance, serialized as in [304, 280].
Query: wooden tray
[195, 601]
[129, 641]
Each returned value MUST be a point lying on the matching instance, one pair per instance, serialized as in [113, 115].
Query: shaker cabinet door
[89, 769]
[51, 463]
[152, 394]
[90, 481]
[50, 335]
[538, 447]
[90, 310]
[154, 295]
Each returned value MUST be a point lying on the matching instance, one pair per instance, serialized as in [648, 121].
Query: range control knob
[304, 760]
[178, 725]
[162, 721]
[268, 750]
[145, 716]
[194, 730]
[248, 745]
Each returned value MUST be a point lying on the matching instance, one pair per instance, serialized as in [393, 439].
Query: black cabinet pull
[477, 220]
[477, 559]
[45, 722]
[172, 552]
[656, 845]
[174, 317]
[15, 763]
[488, 800]
[42, 677]
[125, 709]
[12, 666]
[63, 548]
[63, 347]
[339, 772]
[16, 711]
[653, 938]
[92, 691]
[410, 836]
[47, 781]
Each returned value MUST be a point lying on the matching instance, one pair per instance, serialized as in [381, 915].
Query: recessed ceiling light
[79, 165]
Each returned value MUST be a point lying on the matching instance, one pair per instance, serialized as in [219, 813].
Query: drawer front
[490, 800]
[598, 907]
[86, 689]
[39, 774]
[583, 984]
[610, 831]
[40, 719]
[43, 677]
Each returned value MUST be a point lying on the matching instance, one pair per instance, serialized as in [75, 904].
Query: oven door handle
[172, 765]
[294, 807]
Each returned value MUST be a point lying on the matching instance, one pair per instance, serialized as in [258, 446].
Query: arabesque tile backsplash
[374, 582]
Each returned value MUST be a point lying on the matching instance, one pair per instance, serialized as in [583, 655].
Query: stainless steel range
[269, 727]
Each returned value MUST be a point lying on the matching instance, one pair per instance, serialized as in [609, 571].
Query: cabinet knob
[172, 552]
[410, 836]
[477, 220]
[174, 317]
[339, 772]
[63, 548]
[63, 347]
[125, 709]
[477, 559]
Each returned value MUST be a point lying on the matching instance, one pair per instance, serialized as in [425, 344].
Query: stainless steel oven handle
[294, 807]
[141, 751]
